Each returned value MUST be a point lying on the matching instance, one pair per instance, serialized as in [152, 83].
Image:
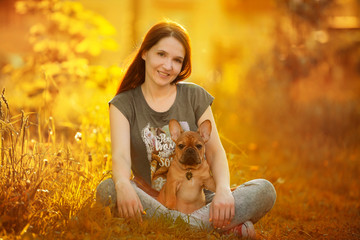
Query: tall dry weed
[43, 184]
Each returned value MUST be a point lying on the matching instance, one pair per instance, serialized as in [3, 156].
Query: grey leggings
[253, 200]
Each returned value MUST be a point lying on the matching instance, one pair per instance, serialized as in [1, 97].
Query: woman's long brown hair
[135, 74]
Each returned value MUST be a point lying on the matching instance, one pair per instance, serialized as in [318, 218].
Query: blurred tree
[309, 82]
[65, 42]
[305, 37]
[301, 35]
[311, 11]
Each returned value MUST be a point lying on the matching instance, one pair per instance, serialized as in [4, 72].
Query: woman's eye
[181, 146]
[198, 146]
[161, 54]
[178, 61]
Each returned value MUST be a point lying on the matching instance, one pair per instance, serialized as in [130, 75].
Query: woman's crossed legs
[253, 200]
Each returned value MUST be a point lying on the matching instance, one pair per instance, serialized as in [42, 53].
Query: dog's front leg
[170, 194]
[210, 184]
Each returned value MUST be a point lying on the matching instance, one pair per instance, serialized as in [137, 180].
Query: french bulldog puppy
[189, 172]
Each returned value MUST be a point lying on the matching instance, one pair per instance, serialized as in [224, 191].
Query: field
[293, 120]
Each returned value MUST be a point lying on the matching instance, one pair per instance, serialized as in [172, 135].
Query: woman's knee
[260, 191]
[267, 191]
[106, 193]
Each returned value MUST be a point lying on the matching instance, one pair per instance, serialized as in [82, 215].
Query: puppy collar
[188, 174]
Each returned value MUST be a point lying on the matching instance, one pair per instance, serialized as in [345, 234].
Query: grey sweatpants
[253, 200]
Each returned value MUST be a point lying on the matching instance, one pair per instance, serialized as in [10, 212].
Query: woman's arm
[222, 208]
[128, 202]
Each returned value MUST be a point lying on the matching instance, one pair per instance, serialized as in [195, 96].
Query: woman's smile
[163, 74]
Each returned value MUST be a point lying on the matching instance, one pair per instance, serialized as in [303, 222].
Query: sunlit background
[285, 75]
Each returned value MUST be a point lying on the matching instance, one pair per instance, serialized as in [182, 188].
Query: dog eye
[181, 146]
[198, 146]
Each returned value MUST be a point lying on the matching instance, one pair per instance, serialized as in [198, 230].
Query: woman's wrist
[120, 182]
[223, 188]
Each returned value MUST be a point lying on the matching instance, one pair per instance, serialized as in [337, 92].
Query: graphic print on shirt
[160, 151]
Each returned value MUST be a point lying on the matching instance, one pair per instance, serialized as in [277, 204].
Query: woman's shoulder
[123, 96]
[190, 87]
[199, 98]
[195, 93]
[125, 102]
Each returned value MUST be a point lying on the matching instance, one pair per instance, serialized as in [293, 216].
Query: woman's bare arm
[128, 202]
[222, 209]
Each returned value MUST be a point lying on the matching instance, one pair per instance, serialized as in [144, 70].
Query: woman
[149, 96]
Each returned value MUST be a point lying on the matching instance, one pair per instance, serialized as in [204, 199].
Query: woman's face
[163, 61]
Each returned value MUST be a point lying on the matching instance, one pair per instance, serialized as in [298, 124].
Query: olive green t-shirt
[152, 148]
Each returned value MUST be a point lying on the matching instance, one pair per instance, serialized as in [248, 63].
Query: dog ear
[175, 129]
[205, 130]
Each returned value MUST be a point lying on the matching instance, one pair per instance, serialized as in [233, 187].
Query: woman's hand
[222, 208]
[128, 202]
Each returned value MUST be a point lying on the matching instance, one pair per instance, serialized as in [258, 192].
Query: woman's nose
[168, 64]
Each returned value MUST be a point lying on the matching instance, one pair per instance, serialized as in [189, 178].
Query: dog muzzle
[190, 157]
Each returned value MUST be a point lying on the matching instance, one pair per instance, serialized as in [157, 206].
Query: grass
[311, 154]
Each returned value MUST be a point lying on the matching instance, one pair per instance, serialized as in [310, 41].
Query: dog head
[190, 146]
